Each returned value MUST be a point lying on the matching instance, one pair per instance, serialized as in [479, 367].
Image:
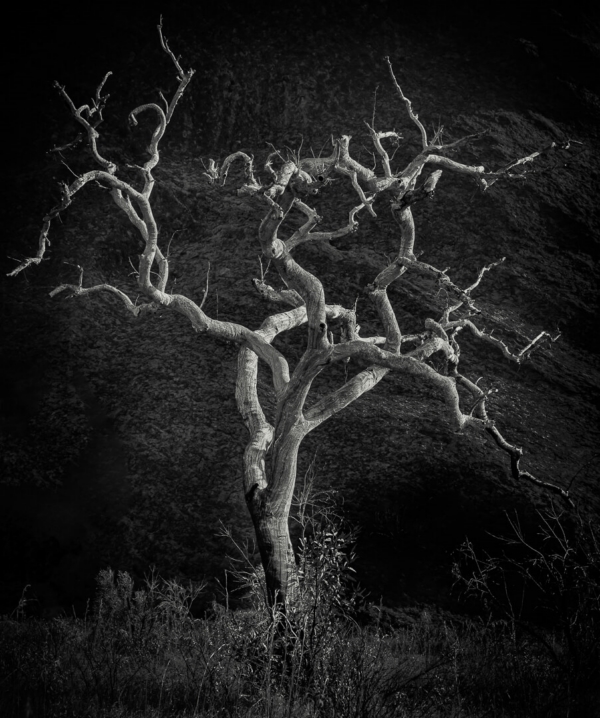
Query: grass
[140, 652]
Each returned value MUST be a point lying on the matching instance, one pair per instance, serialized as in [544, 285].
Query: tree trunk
[277, 555]
[270, 512]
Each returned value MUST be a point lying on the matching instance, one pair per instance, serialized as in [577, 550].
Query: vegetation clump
[143, 652]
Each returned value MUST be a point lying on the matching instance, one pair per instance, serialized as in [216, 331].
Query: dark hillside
[121, 441]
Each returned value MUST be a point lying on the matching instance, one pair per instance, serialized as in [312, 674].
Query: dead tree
[271, 454]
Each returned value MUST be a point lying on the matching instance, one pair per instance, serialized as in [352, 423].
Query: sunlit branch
[92, 133]
[518, 358]
[304, 234]
[365, 201]
[377, 137]
[408, 103]
[371, 354]
[515, 453]
[452, 308]
[77, 290]
[216, 173]
[183, 77]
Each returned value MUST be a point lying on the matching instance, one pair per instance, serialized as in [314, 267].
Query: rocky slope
[121, 440]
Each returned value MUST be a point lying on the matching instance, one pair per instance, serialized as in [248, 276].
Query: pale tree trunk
[270, 511]
[271, 455]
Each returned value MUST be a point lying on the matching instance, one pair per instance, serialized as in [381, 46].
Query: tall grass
[140, 652]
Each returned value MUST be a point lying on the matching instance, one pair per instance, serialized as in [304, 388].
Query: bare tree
[271, 455]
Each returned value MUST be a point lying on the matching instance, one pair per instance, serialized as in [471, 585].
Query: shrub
[547, 588]
[140, 651]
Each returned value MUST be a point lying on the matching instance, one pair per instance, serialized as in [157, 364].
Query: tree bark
[270, 510]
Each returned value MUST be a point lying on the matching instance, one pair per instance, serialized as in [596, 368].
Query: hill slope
[122, 442]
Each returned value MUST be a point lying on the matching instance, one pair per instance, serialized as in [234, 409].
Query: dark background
[121, 442]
